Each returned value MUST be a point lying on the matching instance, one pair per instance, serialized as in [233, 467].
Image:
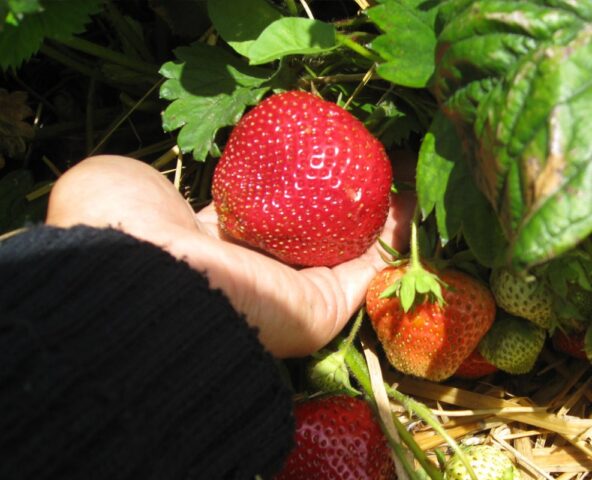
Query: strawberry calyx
[417, 284]
[328, 371]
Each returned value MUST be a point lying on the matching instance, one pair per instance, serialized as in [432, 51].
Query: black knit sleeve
[119, 362]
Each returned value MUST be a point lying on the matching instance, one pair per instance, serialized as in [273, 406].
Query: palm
[296, 311]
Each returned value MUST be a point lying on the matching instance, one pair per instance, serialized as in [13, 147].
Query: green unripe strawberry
[512, 344]
[524, 298]
[488, 462]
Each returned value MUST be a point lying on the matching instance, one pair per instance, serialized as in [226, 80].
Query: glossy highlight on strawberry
[337, 438]
[304, 180]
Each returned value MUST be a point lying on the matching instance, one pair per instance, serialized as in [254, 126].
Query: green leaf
[241, 22]
[58, 19]
[535, 148]
[19, 8]
[445, 184]
[292, 36]
[209, 89]
[409, 41]
[479, 42]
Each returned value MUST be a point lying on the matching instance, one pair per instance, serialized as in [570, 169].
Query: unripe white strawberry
[488, 462]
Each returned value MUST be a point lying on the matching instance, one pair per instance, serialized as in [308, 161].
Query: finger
[207, 220]
[117, 191]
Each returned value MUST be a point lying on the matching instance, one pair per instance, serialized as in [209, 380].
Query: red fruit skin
[474, 366]
[303, 179]
[431, 341]
[337, 437]
[572, 344]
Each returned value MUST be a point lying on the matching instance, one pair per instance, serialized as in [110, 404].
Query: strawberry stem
[423, 412]
[357, 366]
[415, 262]
[344, 347]
[292, 8]
[417, 283]
[356, 47]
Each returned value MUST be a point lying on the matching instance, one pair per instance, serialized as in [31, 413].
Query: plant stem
[124, 117]
[431, 470]
[356, 364]
[354, 331]
[356, 47]
[415, 262]
[65, 60]
[428, 417]
[292, 7]
[110, 55]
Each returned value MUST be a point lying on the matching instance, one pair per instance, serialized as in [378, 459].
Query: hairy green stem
[415, 262]
[431, 470]
[354, 331]
[357, 366]
[67, 61]
[345, 41]
[292, 7]
[423, 412]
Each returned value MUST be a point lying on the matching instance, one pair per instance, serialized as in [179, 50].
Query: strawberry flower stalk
[417, 283]
[428, 321]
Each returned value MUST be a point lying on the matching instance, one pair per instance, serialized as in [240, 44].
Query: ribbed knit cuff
[118, 362]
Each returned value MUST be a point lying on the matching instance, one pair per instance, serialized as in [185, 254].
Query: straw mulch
[542, 420]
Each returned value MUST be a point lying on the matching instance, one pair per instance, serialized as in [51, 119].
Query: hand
[296, 311]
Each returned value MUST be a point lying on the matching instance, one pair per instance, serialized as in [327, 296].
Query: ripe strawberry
[526, 299]
[488, 462]
[513, 344]
[572, 344]
[303, 180]
[430, 340]
[337, 437]
[475, 366]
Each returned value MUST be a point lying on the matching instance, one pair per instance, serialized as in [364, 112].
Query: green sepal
[327, 372]
[414, 287]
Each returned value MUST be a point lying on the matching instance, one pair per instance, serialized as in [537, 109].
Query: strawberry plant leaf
[481, 41]
[535, 146]
[19, 8]
[240, 22]
[209, 88]
[445, 185]
[292, 36]
[58, 19]
[408, 43]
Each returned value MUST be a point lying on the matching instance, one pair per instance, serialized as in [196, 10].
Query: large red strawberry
[337, 437]
[429, 339]
[303, 180]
